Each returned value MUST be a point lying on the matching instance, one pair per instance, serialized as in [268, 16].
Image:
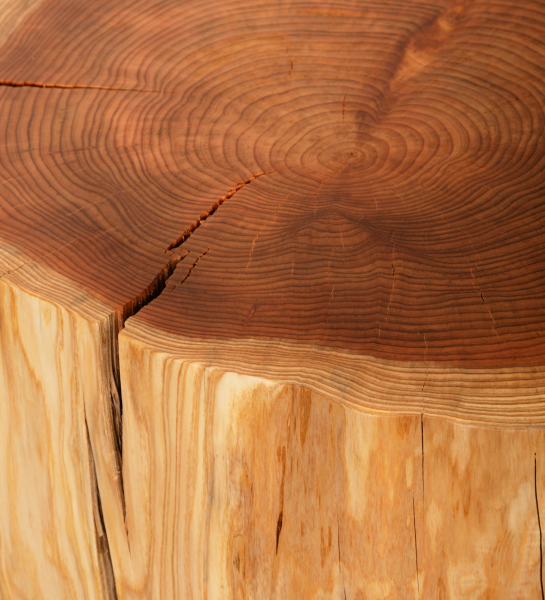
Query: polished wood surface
[288, 212]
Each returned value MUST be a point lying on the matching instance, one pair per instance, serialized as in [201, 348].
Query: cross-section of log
[272, 316]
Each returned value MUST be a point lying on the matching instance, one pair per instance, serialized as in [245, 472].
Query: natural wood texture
[239, 485]
[318, 227]
[500, 397]
[52, 538]
[405, 220]
[242, 487]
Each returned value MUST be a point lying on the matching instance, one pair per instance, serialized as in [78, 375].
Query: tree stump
[272, 299]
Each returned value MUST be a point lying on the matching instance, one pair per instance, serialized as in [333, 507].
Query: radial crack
[75, 86]
[116, 324]
[485, 303]
[393, 284]
[193, 266]
[427, 364]
[154, 289]
[208, 213]
[320, 187]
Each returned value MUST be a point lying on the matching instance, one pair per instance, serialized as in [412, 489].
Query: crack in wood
[540, 532]
[280, 520]
[152, 291]
[321, 184]
[76, 86]
[416, 549]
[116, 403]
[208, 213]
[103, 545]
[339, 551]
[422, 435]
[278, 530]
[393, 280]
[193, 266]
[131, 308]
[485, 303]
[117, 323]
[427, 365]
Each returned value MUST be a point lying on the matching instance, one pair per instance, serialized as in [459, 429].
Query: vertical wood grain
[240, 487]
[51, 545]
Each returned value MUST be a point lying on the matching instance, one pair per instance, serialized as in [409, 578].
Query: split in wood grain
[540, 532]
[208, 213]
[75, 86]
[388, 271]
[401, 124]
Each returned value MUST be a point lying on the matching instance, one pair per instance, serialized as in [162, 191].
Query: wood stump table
[272, 299]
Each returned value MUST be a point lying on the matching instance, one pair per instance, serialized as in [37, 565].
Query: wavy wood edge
[241, 486]
[194, 380]
[500, 397]
[449, 462]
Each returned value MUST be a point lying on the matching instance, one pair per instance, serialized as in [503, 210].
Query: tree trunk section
[271, 300]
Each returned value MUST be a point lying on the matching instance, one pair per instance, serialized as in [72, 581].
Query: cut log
[272, 317]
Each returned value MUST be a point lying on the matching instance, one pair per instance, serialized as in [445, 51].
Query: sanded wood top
[356, 176]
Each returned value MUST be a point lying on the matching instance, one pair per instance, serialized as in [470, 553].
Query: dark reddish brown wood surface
[404, 217]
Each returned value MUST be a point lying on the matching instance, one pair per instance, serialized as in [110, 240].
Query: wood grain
[404, 220]
[239, 486]
[318, 226]
[52, 539]
[502, 397]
